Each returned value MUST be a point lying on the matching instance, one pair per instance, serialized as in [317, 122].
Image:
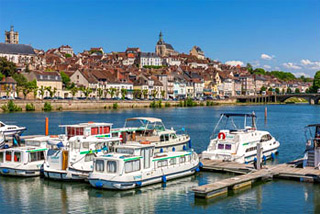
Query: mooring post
[47, 127]
[259, 155]
[265, 113]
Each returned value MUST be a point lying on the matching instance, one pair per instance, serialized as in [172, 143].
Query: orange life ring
[54, 136]
[145, 142]
[222, 136]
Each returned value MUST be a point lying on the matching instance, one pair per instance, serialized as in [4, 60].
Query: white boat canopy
[149, 119]
[88, 124]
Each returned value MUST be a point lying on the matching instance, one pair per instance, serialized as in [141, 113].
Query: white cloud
[267, 66]
[266, 57]
[234, 63]
[314, 65]
[291, 65]
[299, 74]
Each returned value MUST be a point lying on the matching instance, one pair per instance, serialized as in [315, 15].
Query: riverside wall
[76, 105]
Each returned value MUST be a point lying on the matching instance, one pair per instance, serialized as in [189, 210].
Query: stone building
[164, 49]
[11, 37]
[17, 53]
[197, 52]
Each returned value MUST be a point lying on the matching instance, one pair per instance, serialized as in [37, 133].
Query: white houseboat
[25, 160]
[10, 130]
[136, 165]
[148, 129]
[312, 152]
[74, 162]
[239, 144]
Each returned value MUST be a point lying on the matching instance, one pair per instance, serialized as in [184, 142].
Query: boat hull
[19, 172]
[120, 185]
[66, 175]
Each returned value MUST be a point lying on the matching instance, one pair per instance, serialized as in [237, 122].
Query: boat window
[76, 145]
[36, 156]
[8, 155]
[266, 137]
[228, 147]
[162, 138]
[100, 165]
[124, 150]
[17, 156]
[162, 163]
[251, 149]
[132, 166]
[166, 137]
[85, 145]
[173, 161]
[173, 136]
[220, 146]
[1, 157]
[111, 166]
[89, 157]
[182, 159]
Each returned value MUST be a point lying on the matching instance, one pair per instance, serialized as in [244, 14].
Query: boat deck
[251, 175]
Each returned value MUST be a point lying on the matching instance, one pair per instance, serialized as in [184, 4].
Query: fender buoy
[264, 158]
[200, 164]
[164, 179]
[145, 142]
[99, 184]
[184, 148]
[198, 169]
[161, 150]
[138, 183]
[5, 171]
[222, 136]
[273, 156]
[173, 149]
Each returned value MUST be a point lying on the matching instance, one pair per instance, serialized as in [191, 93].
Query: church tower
[161, 46]
[11, 37]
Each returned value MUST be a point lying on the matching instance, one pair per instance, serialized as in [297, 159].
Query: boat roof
[313, 125]
[88, 124]
[150, 119]
[238, 115]
[134, 145]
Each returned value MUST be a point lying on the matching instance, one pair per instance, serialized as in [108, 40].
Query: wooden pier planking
[250, 175]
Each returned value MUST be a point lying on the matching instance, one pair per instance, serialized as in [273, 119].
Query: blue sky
[275, 34]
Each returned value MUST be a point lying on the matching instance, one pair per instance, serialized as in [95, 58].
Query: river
[285, 122]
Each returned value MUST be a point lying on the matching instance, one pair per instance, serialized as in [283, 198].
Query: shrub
[160, 103]
[59, 108]
[153, 104]
[115, 105]
[30, 107]
[201, 104]
[181, 103]
[167, 105]
[47, 106]
[10, 107]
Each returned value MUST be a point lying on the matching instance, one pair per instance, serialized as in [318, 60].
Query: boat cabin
[87, 129]
[22, 155]
[312, 154]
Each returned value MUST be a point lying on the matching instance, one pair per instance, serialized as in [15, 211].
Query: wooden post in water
[265, 114]
[259, 156]
[47, 127]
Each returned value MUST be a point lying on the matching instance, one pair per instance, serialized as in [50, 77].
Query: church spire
[160, 37]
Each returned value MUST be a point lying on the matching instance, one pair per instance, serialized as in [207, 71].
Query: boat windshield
[235, 123]
[312, 134]
[145, 124]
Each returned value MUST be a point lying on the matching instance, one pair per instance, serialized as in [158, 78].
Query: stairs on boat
[310, 161]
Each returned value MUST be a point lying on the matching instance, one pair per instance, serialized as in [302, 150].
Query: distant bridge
[311, 98]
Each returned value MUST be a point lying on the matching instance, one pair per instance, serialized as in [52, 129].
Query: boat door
[65, 155]
[147, 153]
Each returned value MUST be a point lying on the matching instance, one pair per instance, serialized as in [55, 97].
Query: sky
[271, 34]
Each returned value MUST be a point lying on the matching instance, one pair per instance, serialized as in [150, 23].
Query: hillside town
[60, 73]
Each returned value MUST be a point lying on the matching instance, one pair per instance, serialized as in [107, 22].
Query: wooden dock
[250, 175]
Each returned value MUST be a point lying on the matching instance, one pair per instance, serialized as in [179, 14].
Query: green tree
[50, 90]
[316, 83]
[73, 91]
[67, 55]
[65, 79]
[106, 92]
[259, 71]
[7, 68]
[20, 79]
[297, 91]
[42, 91]
[8, 90]
[249, 67]
[123, 93]
[35, 92]
[277, 90]
[112, 92]
[283, 91]
[154, 93]
[270, 89]
[137, 93]
[163, 94]
[289, 91]
[145, 93]
[25, 92]
[86, 91]
[263, 88]
[117, 93]
[99, 92]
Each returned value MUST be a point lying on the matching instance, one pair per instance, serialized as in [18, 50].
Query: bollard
[47, 126]
[259, 154]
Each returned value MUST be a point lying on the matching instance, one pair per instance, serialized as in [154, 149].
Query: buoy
[190, 145]
[161, 150]
[184, 148]
[173, 149]
[138, 183]
[197, 169]
[222, 136]
[5, 171]
[264, 158]
[99, 184]
[200, 164]
[255, 159]
[164, 179]
[273, 156]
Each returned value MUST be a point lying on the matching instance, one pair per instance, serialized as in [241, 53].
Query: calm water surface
[285, 122]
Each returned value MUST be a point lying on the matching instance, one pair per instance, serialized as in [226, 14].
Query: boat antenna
[245, 121]
[234, 125]
[214, 130]
[254, 120]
